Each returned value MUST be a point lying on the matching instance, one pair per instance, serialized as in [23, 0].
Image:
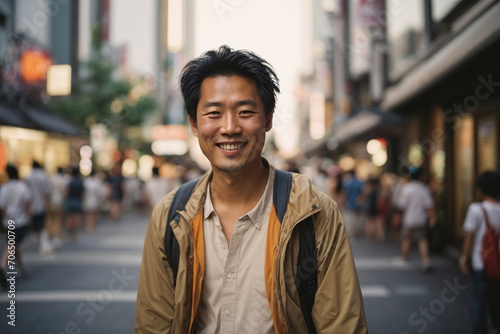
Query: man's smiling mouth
[231, 147]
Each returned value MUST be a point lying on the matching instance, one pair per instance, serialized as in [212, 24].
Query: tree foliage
[101, 98]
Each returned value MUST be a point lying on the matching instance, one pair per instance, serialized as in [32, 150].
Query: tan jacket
[338, 307]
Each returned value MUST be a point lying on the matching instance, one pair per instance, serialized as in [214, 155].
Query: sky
[276, 30]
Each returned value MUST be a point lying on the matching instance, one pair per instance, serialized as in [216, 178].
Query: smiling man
[251, 249]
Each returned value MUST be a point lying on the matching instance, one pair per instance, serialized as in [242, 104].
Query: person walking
[75, 192]
[418, 209]
[59, 182]
[116, 183]
[15, 204]
[235, 257]
[39, 183]
[94, 194]
[485, 292]
[352, 213]
[156, 188]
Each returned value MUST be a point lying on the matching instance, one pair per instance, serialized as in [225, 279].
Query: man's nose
[230, 124]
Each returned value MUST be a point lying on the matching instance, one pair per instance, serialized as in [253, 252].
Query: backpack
[306, 275]
[490, 253]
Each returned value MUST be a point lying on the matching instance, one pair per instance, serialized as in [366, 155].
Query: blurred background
[372, 86]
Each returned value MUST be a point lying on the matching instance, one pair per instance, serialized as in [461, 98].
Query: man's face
[230, 123]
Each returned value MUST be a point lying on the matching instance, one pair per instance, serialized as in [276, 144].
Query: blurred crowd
[55, 208]
[388, 206]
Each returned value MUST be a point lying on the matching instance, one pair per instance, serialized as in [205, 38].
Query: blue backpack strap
[281, 192]
[170, 243]
[306, 279]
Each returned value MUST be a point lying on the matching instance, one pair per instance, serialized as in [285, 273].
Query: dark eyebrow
[248, 102]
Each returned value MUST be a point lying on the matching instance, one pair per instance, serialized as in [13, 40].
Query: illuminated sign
[34, 65]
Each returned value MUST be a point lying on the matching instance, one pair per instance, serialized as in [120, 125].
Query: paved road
[399, 298]
[90, 287]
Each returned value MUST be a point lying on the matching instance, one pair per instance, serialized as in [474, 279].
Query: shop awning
[363, 123]
[37, 119]
[467, 43]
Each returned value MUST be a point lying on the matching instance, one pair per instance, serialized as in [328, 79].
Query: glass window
[441, 8]
[464, 169]
[487, 143]
[405, 33]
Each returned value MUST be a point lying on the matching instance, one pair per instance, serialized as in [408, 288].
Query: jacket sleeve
[338, 305]
[155, 295]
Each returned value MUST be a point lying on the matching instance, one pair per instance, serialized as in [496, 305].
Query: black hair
[12, 172]
[226, 62]
[75, 171]
[415, 172]
[36, 164]
[489, 183]
[156, 171]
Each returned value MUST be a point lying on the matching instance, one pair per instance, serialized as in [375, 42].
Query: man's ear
[269, 121]
[194, 128]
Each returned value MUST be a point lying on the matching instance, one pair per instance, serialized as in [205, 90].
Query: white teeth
[231, 147]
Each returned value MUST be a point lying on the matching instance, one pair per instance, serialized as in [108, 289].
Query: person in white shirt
[418, 209]
[59, 182]
[39, 183]
[485, 291]
[15, 199]
[156, 188]
[94, 194]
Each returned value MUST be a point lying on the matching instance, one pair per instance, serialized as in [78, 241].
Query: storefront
[34, 134]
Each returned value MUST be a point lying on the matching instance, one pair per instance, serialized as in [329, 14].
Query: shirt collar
[257, 213]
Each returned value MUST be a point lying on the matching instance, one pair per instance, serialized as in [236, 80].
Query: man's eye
[247, 112]
[213, 113]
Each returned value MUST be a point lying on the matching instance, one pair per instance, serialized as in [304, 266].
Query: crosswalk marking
[73, 296]
[375, 291]
[84, 257]
[392, 263]
[368, 291]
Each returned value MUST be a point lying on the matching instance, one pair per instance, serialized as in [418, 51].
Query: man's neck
[239, 188]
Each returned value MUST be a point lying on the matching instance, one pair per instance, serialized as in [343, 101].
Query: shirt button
[228, 312]
[229, 276]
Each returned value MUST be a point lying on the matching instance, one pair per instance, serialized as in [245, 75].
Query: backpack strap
[486, 218]
[170, 243]
[281, 192]
[306, 279]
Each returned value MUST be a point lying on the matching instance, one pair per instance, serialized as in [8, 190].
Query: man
[15, 199]
[39, 183]
[236, 263]
[156, 188]
[353, 216]
[418, 208]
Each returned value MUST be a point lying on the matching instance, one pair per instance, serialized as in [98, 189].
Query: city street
[90, 286]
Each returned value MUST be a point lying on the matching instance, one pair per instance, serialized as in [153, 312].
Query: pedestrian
[354, 219]
[368, 199]
[59, 182]
[156, 188]
[418, 211]
[15, 204]
[116, 183]
[39, 183]
[94, 193]
[485, 292]
[235, 257]
[75, 192]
